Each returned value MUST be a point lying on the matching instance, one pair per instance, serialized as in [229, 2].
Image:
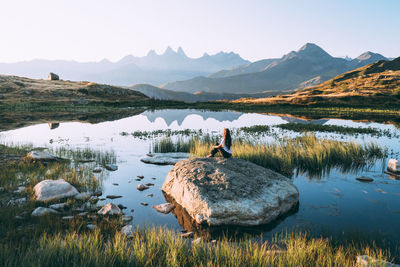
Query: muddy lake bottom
[333, 204]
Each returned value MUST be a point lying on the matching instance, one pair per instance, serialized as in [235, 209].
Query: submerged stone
[165, 158]
[364, 179]
[230, 191]
[111, 167]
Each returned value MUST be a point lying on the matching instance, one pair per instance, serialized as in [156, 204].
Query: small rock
[142, 187]
[18, 202]
[140, 176]
[93, 199]
[115, 184]
[1, 189]
[149, 184]
[102, 199]
[149, 155]
[127, 218]
[364, 179]
[98, 193]
[164, 208]
[113, 196]
[132, 210]
[18, 217]
[40, 211]
[196, 241]
[150, 195]
[154, 178]
[67, 218]
[138, 179]
[97, 170]
[83, 195]
[127, 230]
[110, 209]
[393, 165]
[58, 206]
[83, 214]
[122, 207]
[19, 190]
[91, 226]
[40, 155]
[187, 235]
[111, 167]
[144, 203]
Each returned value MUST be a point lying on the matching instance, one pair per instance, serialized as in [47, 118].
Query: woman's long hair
[228, 138]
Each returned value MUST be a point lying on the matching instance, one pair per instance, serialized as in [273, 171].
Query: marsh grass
[86, 155]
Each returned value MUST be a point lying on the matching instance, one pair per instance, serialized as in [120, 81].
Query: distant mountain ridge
[153, 68]
[310, 64]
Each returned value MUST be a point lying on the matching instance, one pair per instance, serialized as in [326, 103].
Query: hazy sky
[90, 30]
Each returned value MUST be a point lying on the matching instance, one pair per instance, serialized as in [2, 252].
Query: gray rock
[83, 196]
[54, 189]
[165, 158]
[19, 190]
[58, 206]
[187, 235]
[364, 179]
[127, 218]
[97, 170]
[368, 261]
[164, 208]
[41, 211]
[40, 155]
[144, 203]
[142, 187]
[17, 202]
[113, 196]
[91, 226]
[111, 167]
[393, 165]
[83, 214]
[53, 77]
[110, 209]
[127, 230]
[67, 218]
[232, 191]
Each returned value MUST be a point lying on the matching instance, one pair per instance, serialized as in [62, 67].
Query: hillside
[153, 68]
[374, 84]
[291, 71]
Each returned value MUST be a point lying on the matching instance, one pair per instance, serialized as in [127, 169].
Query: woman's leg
[224, 153]
[213, 151]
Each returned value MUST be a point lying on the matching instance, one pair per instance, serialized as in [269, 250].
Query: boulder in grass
[393, 165]
[110, 209]
[41, 211]
[164, 208]
[54, 189]
[218, 191]
[127, 230]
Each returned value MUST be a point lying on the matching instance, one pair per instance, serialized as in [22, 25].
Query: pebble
[132, 210]
[19, 190]
[142, 187]
[364, 179]
[115, 184]
[150, 195]
[140, 176]
[153, 178]
[144, 203]
[113, 196]
[138, 179]
[149, 184]
[121, 206]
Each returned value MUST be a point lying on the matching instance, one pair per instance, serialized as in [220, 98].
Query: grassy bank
[305, 154]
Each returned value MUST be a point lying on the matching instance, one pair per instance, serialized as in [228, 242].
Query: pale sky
[90, 30]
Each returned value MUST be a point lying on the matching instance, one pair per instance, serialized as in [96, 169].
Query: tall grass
[305, 154]
[161, 247]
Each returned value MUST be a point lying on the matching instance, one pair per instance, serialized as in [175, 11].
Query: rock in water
[40, 155]
[164, 208]
[141, 187]
[165, 158]
[53, 77]
[54, 189]
[365, 179]
[393, 165]
[111, 167]
[230, 191]
[110, 209]
[41, 211]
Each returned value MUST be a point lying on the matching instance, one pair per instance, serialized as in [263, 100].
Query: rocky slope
[291, 71]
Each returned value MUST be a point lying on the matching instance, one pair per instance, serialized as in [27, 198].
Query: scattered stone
[113, 196]
[127, 218]
[164, 208]
[196, 241]
[364, 179]
[110, 209]
[150, 155]
[19, 190]
[127, 230]
[98, 193]
[138, 179]
[97, 170]
[115, 184]
[83, 195]
[149, 184]
[140, 176]
[79, 209]
[150, 195]
[122, 207]
[93, 199]
[393, 165]
[40, 155]
[219, 191]
[165, 158]
[53, 77]
[54, 189]
[142, 187]
[83, 214]
[154, 178]
[187, 235]
[132, 210]
[67, 218]
[144, 203]
[18, 217]
[111, 167]
[41, 211]
[91, 226]
[367, 261]
[102, 199]
[58, 206]
[17, 202]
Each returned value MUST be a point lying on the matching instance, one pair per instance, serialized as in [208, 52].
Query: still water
[335, 204]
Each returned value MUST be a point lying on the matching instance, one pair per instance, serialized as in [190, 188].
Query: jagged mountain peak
[310, 49]
[169, 51]
[181, 52]
[152, 52]
[368, 55]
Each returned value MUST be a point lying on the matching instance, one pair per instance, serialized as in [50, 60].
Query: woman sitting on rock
[225, 147]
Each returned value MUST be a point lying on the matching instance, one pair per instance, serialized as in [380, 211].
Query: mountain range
[310, 65]
[153, 68]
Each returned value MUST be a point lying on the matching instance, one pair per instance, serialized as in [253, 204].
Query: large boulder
[54, 189]
[232, 191]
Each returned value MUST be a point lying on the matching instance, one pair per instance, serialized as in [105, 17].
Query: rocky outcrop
[165, 158]
[54, 189]
[230, 191]
[53, 77]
